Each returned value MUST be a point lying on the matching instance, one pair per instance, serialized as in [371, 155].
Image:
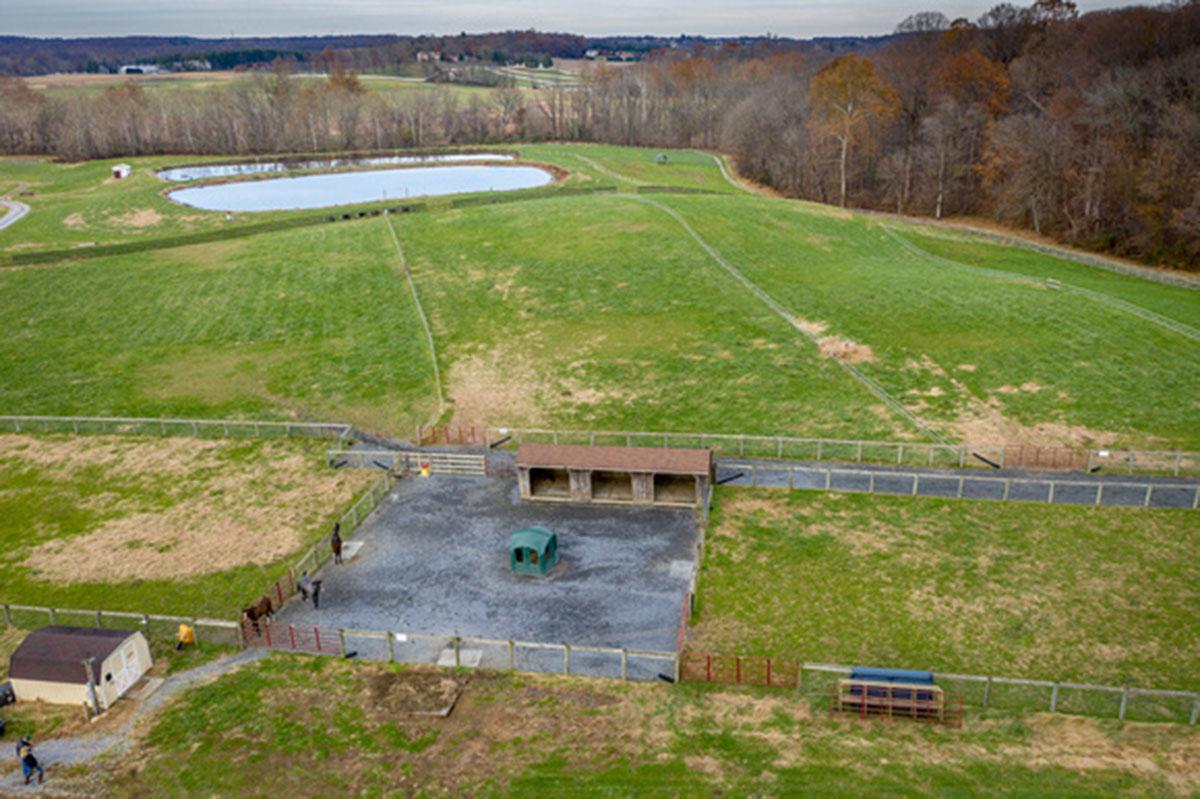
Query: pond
[202, 171]
[346, 188]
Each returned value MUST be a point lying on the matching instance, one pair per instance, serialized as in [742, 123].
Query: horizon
[221, 19]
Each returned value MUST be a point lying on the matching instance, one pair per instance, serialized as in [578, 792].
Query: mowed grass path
[1108, 596]
[599, 312]
[193, 527]
[316, 323]
[313, 727]
[979, 355]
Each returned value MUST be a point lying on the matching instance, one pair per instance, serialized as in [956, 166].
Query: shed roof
[56, 654]
[537, 538]
[621, 459]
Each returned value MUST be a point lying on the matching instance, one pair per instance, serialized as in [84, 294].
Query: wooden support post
[791, 478]
[625, 664]
[916, 483]
[512, 655]
[828, 478]
[1007, 487]
[871, 483]
[960, 487]
[858, 453]
[341, 641]
[1050, 497]
[1099, 493]
[1149, 491]
[52, 615]
[7, 616]
[987, 691]
[1124, 704]
[900, 455]
[677, 670]
[391, 638]
[457, 652]
[1195, 711]
[99, 618]
[566, 658]
[1054, 699]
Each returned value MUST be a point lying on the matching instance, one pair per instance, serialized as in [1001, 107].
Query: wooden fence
[816, 680]
[891, 453]
[178, 427]
[155, 626]
[463, 464]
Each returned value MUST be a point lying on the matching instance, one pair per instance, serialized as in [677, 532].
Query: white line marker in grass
[876, 389]
[412, 284]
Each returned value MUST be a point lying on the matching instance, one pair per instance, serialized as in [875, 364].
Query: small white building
[140, 69]
[74, 665]
[122, 171]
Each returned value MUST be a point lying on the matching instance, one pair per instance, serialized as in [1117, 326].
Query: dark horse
[263, 609]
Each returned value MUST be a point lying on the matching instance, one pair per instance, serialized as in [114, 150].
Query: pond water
[346, 188]
[203, 171]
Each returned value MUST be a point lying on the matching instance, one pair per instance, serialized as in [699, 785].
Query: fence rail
[816, 680]
[469, 651]
[155, 626]
[892, 453]
[960, 486]
[180, 427]
[450, 463]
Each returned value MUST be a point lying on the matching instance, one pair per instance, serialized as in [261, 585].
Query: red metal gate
[739, 670]
[292, 637]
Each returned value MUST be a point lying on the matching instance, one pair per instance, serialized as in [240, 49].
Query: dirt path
[59, 753]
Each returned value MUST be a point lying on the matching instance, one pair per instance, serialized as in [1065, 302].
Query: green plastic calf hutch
[533, 550]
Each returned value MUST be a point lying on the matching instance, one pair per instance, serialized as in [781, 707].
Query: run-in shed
[49, 665]
[626, 475]
[533, 550]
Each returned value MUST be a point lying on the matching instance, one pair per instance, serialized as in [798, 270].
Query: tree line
[1083, 128]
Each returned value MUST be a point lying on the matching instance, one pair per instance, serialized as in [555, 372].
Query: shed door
[125, 670]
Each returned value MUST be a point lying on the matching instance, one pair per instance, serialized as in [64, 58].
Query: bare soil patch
[75, 221]
[140, 218]
[218, 512]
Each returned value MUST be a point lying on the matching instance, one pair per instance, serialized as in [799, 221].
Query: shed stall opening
[53, 665]
[618, 475]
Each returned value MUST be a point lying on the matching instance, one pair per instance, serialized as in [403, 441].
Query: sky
[799, 18]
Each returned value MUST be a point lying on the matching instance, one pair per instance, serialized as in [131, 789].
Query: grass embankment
[171, 526]
[1094, 595]
[317, 726]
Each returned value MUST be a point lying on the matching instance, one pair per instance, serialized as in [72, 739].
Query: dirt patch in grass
[412, 692]
[497, 387]
[75, 221]
[843, 349]
[139, 218]
[211, 513]
[985, 424]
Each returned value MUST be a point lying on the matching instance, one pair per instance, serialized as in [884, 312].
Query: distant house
[592, 55]
[74, 665]
[140, 69]
[121, 171]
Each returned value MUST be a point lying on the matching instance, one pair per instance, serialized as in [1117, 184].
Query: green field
[602, 307]
[176, 526]
[1107, 596]
[316, 726]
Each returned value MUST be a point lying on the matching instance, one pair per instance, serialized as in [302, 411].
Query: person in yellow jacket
[185, 637]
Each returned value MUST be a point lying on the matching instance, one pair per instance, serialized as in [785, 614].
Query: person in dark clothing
[304, 585]
[316, 594]
[30, 764]
[335, 542]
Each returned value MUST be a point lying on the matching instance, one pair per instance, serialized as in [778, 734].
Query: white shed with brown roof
[624, 475]
[52, 665]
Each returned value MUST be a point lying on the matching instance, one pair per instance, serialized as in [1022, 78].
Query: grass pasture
[179, 526]
[604, 306]
[316, 726]
[1106, 596]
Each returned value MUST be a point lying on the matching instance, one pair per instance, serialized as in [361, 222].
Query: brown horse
[263, 609]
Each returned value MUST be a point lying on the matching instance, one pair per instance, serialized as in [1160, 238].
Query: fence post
[512, 655]
[1195, 711]
[240, 636]
[828, 478]
[1099, 493]
[754, 475]
[1149, 490]
[1054, 699]
[391, 647]
[960, 487]
[800, 677]
[987, 691]
[457, 652]
[1050, 497]
[900, 455]
[1007, 487]
[916, 483]
[341, 640]
[1124, 704]
[566, 658]
[871, 483]
[678, 664]
[858, 453]
[625, 664]
[99, 619]
[51, 614]
[7, 616]
[791, 477]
